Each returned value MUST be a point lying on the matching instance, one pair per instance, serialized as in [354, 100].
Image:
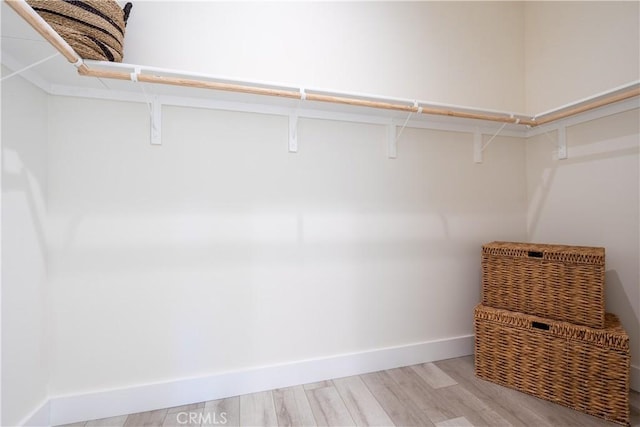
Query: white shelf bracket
[562, 143]
[392, 141]
[477, 147]
[404, 125]
[293, 133]
[156, 122]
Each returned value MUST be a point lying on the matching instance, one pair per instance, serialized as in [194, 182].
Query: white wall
[468, 53]
[25, 357]
[577, 49]
[593, 198]
[219, 250]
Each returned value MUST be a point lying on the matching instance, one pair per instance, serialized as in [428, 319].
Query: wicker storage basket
[583, 368]
[93, 28]
[551, 281]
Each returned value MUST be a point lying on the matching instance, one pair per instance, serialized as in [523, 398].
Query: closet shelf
[154, 75]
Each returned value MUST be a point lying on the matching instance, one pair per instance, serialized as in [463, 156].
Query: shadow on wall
[541, 193]
[17, 178]
[545, 183]
[589, 142]
[615, 296]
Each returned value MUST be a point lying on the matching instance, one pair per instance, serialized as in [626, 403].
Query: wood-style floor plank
[257, 409]
[328, 407]
[477, 412]
[108, 422]
[433, 375]
[455, 422]
[319, 384]
[362, 405]
[292, 407]
[146, 419]
[455, 399]
[216, 412]
[185, 415]
[186, 408]
[426, 398]
[392, 397]
[189, 418]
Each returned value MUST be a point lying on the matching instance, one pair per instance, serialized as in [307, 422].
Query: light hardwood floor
[444, 393]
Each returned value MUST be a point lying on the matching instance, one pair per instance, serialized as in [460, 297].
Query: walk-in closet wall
[221, 251]
[571, 51]
[593, 198]
[468, 53]
[25, 335]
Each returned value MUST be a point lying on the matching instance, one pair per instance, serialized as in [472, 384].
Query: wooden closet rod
[294, 94]
[588, 106]
[45, 30]
[193, 83]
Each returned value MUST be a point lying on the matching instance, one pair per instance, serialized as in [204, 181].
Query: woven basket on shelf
[93, 28]
[583, 368]
[552, 281]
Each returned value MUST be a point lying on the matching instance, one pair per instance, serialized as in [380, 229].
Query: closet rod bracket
[477, 146]
[156, 122]
[392, 141]
[562, 142]
[293, 133]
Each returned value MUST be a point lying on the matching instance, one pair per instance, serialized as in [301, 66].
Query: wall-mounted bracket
[562, 143]
[392, 141]
[393, 135]
[293, 133]
[477, 147]
[156, 122]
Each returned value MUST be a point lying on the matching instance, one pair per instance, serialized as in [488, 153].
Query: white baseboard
[109, 403]
[635, 378]
[39, 417]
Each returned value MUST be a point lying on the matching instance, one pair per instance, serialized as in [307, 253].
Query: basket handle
[534, 254]
[540, 325]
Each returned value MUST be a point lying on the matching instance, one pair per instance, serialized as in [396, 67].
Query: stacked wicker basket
[93, 28]
[541, 328]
